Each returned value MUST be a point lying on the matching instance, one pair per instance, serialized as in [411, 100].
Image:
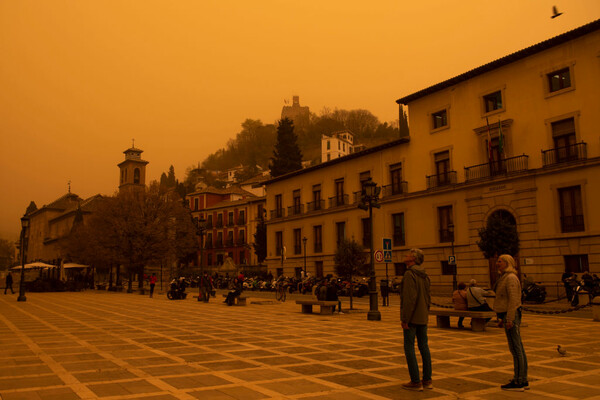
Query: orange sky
[80, 79]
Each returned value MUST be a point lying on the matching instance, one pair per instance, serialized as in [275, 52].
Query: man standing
[415, 300]
[9, 282]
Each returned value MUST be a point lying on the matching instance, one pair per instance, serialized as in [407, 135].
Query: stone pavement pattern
[105, 345]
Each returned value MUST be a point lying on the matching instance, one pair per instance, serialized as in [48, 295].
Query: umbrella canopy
[38, 264]
[73, 265]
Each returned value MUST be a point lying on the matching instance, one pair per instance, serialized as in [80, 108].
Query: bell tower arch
[132, 171]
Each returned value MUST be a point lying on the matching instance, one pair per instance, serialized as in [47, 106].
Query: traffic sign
[387, 244]
[451, 260]
[379, 256]
[387, 256]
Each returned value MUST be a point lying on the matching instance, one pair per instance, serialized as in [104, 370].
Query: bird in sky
[555, 12]
[561, 351]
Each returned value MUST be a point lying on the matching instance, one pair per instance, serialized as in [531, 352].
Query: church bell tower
[132, 170]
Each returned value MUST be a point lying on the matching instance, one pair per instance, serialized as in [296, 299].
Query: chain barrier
[576, 308]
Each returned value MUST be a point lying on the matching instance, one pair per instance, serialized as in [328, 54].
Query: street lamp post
[369, 199]
[201, 231]
[24, 227]
[304, 240]
[201, 228]
[451, 232]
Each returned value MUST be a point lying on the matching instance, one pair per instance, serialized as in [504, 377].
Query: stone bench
[477, 317]
[239, 300]
[326, 306]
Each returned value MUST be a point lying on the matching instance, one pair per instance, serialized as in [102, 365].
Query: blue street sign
[387, 244]
[387, 256]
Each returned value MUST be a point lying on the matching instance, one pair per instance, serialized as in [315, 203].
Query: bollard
[596, 308]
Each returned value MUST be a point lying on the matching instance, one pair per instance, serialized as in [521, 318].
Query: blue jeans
[420, 331]
[515, 345]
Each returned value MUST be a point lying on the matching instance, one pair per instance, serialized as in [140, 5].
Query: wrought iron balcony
[277, 213]
[573, 223]
[439, 180]
[574, 152]
[338, 201]
[504, 166]
[218, 245]
[230, 223]
[241, 221]
[392, 190]
[315, 205]
[208, 245]
[296, 209]
[209, 225]
[229, 242]
[219, 224]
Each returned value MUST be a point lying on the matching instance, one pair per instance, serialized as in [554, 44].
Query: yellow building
[513, 137]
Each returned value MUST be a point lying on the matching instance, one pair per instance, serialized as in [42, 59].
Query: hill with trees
[253, 146]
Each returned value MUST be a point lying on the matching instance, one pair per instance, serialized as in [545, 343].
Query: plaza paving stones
[103, 345]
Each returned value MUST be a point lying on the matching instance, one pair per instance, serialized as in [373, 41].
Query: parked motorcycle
[534, 292]
[177, 290]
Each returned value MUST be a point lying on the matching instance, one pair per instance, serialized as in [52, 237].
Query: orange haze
[80, 79]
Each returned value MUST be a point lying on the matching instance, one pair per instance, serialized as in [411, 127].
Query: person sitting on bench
[475, 298]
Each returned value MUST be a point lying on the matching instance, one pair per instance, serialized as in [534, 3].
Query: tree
[350, 261]
[403, 123]
[499, 236]
[260, 241]
[286, 156]
[7, 253]
[135, 229]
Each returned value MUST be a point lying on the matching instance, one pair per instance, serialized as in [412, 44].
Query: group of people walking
[415, 302]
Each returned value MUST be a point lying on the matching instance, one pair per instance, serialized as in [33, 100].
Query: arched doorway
[500, 217]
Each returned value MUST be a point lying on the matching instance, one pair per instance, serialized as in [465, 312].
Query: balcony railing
[229, 242]
[218, 245]
[230, 223]
[447, 178]
[241, 221]
[391, 190]
[572, 223]
[296, 209]
[278, 213]
[338, 201]
[356, 196]
[219, 224]
[315, 205]
[494, 168]
[240, 242]
[208, 245]
[574, 152]
[209, 225]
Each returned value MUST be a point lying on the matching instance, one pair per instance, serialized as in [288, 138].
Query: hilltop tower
[132, 170]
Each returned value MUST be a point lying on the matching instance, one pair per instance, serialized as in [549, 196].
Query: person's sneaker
[341, 312]
[526, 385]
[427, 384]
[513, 386]
[416, 386]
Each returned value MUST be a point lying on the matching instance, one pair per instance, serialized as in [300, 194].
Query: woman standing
[508, 308]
